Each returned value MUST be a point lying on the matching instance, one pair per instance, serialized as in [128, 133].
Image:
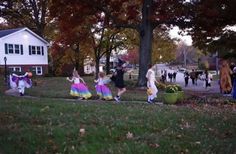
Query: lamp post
[5, 60]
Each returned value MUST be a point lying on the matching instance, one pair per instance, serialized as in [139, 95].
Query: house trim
[26, 29]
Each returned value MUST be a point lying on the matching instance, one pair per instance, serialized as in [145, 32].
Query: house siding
[25, 39]
[25, 68]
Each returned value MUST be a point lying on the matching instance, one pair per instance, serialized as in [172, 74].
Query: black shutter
[29, 49]
[21, 49]
[6, 48]
[42, 51]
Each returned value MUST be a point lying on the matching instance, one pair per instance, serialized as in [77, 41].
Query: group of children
[79, 88]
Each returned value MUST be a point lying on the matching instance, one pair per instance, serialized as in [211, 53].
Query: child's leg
[121, 91]
[21, 87]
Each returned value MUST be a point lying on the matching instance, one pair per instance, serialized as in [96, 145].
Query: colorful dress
[79, 89]
[102, 90]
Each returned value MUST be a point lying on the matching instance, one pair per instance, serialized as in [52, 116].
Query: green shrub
[171, 89]
[179, 88]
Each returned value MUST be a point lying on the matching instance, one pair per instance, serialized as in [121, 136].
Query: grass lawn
[53, 125]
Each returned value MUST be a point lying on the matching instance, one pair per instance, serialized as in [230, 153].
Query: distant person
[207, 79]
[151, 80]
[174, 76]
[225, 79]
[170, 75]
[232, 65]
[193, 77]
[119, 80]
[163, 76]
[186, 78]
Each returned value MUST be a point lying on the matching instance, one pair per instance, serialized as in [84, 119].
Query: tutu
[104, 92]
[80, 90]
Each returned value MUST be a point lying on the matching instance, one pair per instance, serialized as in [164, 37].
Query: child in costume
[225, 79]
[20, 82]
[151, 80]
[78, 88]
[102, 90]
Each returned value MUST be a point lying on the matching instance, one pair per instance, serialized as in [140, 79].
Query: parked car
[182, 70]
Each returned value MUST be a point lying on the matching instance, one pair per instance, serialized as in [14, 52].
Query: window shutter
[29, 49]
[6, 48]
[21, 49]
[42, 51]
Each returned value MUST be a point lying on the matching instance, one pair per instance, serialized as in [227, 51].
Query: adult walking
[207, 79]
[119, 80]
[186, 77]
[151, 80]
[193, 76]
[225, 79]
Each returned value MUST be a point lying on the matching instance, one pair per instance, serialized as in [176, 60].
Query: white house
[22, 50]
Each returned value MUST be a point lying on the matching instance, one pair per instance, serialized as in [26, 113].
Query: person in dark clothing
[170, 75]
[232, 66]
[119, 80]
[186, 77]
[174, 76]
[207, 84]
[193, 76]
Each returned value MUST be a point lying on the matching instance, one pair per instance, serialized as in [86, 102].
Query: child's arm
[82, 80]
[71, 80]
[96, 81]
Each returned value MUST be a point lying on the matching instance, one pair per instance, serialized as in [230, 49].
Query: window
[36, 50]
[38, 70]
[14, 69]
[33, 50]
[17, 49]
[10, 48]
[13, 49]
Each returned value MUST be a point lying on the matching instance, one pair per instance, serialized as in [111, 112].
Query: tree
[187, 54]
[164, 49]
[114, 41]
[132, 56]
[26, 13]
[211, 20]
[143, 16]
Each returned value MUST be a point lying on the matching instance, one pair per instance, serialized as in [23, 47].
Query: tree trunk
[146, 36]
[97, 67]
[108, 62]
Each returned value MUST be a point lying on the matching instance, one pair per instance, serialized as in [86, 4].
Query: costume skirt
[80, 90]
[104, 92]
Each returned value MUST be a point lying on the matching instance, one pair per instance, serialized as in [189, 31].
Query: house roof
[8, 32]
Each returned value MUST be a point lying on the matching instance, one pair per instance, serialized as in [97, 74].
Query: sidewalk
[214, 88]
